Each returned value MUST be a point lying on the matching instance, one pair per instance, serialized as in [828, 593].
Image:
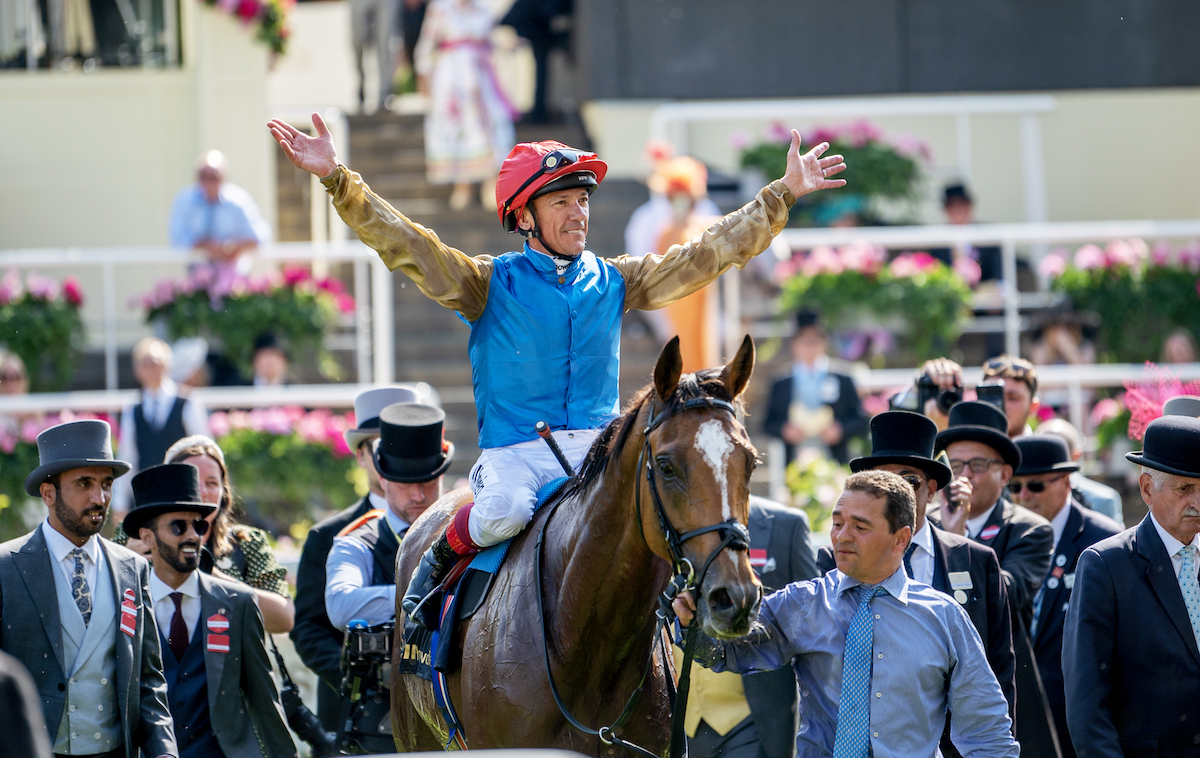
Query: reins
[734, 535]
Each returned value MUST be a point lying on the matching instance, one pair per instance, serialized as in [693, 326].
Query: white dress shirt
[60, 552]
[164, 606]
[1173, 545]
[922, 556]
[975, 525]
[1059, 522]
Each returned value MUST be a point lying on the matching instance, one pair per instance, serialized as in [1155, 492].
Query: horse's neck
[607, 578]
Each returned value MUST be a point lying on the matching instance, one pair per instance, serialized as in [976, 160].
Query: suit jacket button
[62, 687]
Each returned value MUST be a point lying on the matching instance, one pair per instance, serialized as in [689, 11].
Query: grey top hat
[75, 444]
[412, 444]
[1182, 405]
[1170, 445]
[367, 405]
[165, 488]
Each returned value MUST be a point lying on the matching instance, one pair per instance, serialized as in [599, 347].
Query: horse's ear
[668, 369]
[736, 374]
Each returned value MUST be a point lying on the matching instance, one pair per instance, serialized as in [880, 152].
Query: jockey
[546, 320]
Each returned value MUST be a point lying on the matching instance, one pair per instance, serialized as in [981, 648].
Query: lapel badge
[217, 623]
[1060, 560]
[989, 532]
[1052, 583]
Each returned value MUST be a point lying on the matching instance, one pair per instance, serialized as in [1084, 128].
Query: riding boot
[434, 565]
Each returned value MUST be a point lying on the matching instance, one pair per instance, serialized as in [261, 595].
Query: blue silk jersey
[547, 347]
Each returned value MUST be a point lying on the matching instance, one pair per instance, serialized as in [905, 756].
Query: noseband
[734, 534]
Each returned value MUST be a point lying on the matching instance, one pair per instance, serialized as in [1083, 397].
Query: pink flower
[862, 257]
[218, 424]
[345, 303]
[1089, 257]
[1104, 410]
[968, 269]
[902, 267]
[239, 420]
[878, 403]
[1052, 266]
[1121, 253]
[822, 134]
[41, 287]
[293, 275]
[925, 261]
[1161, 254]
[10, 287]
[740, 140]
[777, 132]
[1189, 256]
[248, 9]
[72, 291]
[8, 441]
[201, 277]
[862, 132]
[822, 260]
[330, 285]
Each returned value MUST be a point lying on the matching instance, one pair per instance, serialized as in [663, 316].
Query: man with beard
[219, 683]
[73, 608]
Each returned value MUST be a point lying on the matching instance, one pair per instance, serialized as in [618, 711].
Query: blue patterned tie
[1190, 586]
[79, 587]
[853, 736]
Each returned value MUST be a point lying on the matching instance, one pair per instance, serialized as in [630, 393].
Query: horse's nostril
[719, 601]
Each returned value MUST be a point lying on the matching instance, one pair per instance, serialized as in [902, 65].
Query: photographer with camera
[411, 455]
[1018, 376]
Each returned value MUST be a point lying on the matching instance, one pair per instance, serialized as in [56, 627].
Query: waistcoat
[187, 696]
[377, 535]
[547, 347]
[153, 443]
[91, 718]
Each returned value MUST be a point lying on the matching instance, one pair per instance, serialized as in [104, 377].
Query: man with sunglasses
[902, 443]
[1042, 484]
[74, 608]
[219, 685]
[977, 444]
[546, 320]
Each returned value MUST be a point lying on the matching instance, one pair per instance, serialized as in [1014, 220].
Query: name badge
[960, 580]
[218, 643]
[1069, 580]
[218, 623]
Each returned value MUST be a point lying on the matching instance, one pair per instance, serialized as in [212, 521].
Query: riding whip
[543, 431]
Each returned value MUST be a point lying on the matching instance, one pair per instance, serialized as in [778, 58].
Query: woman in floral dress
[469, 128]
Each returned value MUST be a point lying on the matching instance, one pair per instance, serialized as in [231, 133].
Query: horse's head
[700, 460]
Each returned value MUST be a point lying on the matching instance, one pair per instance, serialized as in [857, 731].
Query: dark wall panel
[803, 48]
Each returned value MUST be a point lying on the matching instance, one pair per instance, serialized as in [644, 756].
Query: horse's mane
[704, 383]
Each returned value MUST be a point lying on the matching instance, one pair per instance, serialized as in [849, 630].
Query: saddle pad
[490, 560]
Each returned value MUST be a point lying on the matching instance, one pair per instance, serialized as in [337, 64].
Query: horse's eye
[664, 467]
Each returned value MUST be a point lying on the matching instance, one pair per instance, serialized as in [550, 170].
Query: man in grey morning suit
[92, 645]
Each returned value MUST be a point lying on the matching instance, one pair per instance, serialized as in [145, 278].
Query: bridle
[734, 535]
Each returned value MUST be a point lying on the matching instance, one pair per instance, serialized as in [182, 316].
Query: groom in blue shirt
[879, 658]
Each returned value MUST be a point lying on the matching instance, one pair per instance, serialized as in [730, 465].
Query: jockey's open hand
[685, 608]
[313, 154]
[810, 172]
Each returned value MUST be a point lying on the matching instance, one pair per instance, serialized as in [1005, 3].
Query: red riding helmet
[533, 169]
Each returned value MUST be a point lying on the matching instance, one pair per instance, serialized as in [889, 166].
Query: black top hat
[412, 446]
[165, 488]
[1170, 445]
[980, 422]
[75, 444]
[1044, 454]
[807, 319]
[954, 192]
[905, 438]
[269, 340]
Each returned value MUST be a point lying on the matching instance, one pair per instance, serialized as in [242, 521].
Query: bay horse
[603, 569]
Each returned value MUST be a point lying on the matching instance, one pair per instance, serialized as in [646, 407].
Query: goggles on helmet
[552, 161]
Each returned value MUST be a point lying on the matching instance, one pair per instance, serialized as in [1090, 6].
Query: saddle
[422, 655]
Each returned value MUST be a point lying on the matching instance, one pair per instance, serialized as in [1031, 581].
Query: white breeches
[505, 481]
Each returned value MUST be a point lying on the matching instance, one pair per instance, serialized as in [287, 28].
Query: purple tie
[177, 639]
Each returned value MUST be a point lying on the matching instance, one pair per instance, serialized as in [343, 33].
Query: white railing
[670, 122]
[372, 289]
[1007, 236]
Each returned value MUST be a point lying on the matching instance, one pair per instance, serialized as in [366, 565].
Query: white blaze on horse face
[714, 444]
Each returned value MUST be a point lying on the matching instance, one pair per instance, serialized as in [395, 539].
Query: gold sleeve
[656, 281]
[447, 276]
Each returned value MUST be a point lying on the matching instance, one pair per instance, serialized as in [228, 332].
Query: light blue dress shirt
[233, 218]
[349, 569]
[926, 659]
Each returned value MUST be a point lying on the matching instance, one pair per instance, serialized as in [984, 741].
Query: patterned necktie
[853, 736]
[1037, 610]
[79, 587]
[908, 569]
[1190, 586]
[178, 637]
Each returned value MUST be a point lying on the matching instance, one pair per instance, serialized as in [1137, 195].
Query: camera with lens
[366, 668]
[921, 392]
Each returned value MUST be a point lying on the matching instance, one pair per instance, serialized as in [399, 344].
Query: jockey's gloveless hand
[315, 155]
[685, 605]
[811, 172]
